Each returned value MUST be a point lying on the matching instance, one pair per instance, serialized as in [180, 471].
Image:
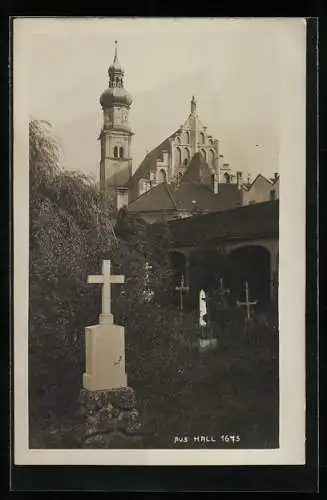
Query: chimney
[216, 184]
[239, 177]
[121, 197]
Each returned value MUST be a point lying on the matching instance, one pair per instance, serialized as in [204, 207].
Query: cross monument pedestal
[109, 418]
[105, 342]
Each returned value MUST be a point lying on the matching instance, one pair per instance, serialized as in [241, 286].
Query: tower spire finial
[116, 51]
[193, 105]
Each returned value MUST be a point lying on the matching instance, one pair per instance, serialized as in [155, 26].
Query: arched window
[116, 152]
[121, 152]
[187, 156]
[204, 154]
[162, 176]
[227, 178]
[187, 137]
[202, 138]
[178, 156]
[211, 158]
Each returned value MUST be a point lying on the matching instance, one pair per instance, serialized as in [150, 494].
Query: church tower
[116, 135]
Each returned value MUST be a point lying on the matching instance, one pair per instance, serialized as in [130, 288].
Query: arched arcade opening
[252, 263]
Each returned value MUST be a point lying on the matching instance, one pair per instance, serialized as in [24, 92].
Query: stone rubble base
[110, 419]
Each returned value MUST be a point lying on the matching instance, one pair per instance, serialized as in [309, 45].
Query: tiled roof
[228, 196]
[257, 178]
[181, 198]
[157, 198]
[258, 220]
[198, 170]
[149, 161]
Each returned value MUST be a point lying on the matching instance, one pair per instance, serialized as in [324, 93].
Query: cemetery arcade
[248, 235]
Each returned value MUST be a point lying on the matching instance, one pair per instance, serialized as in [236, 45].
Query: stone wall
[109, 419]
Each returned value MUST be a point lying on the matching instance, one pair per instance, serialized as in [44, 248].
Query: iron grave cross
[247, 303]
[181, 289]
[106, 279]
[148, 293]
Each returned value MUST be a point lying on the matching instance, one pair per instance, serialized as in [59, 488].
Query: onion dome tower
[116, 134]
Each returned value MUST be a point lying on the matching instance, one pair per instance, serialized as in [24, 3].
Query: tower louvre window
[115, 152]
[121, 152]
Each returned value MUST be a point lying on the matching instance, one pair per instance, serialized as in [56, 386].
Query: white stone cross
[106, 279]
[181, 289]
[247, 302]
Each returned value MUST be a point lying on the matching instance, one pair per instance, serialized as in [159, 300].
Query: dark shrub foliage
[70, 233]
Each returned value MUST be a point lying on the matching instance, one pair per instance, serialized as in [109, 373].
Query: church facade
[183, 175]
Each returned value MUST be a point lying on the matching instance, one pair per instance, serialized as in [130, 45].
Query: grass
[232, 390]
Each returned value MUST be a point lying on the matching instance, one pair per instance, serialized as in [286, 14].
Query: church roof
[150, 161]
[157, 198]
[258, 178]
[188, 196]
[198, 170]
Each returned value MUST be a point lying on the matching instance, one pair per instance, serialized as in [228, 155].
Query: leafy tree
[70, 234]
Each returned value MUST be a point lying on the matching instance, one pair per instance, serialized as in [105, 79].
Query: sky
[237, 69]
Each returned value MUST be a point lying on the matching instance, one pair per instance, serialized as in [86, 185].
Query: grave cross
[106, 279]
[147, 290]
[147, 268]
[247, 302]
[181, 289]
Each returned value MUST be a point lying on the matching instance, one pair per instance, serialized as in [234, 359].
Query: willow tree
[70, 234]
